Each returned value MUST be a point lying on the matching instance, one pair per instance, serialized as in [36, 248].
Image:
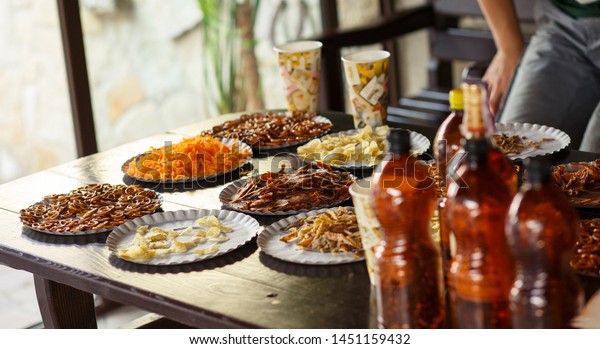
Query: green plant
[228, 43]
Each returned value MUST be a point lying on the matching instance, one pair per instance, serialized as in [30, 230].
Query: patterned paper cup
[300, 65]
[367, 80]
[367, 223]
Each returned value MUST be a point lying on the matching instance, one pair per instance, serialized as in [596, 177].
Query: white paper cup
[367, 223]
[366, 75]
[300, 66]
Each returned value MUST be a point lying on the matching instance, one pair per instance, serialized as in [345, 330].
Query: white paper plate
[89, 232]
[269, 243]
[228, 194]
[244, 229]
[535, 132]
[419, 145]
[226, 141]
[316, 118]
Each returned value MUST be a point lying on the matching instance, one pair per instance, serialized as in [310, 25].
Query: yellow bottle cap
[456, 99]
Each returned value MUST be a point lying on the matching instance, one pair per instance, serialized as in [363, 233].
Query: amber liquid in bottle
[478, 123]
[446, 144]
[447, 141]
[505, 168]
[481, 272]
[542, 231]
[409, 278]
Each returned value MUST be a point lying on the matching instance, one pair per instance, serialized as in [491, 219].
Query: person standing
[555, 81]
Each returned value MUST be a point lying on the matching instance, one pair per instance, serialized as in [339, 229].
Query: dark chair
[448, 42]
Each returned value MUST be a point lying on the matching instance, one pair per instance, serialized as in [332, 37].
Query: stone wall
[145, 67]
[35, 123]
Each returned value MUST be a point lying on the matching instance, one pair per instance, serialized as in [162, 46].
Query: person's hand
[498, 77]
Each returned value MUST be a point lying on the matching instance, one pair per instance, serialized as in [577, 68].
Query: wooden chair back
[448, 42]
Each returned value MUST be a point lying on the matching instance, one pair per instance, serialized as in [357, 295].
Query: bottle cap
[477, 149]
[538, 170]
[455, 97]
[399, 140]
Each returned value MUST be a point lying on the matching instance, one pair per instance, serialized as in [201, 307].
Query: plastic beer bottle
[481, 272]
[447, 141]
[541, 230]
[479, 123]
[409, 272]
[446, 144]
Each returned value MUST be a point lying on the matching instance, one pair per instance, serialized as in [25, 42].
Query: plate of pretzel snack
[94, 208]
[274, 130]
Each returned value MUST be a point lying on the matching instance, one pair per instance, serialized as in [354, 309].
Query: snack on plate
[367, 145]
[333, 231]
[272, 129]
[311, 186]
[587, 255]
[584, 178]
[90, 208]
[156, 241]
[516, 144]
[194, 157]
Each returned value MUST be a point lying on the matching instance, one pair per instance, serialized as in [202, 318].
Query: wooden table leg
[62, 306]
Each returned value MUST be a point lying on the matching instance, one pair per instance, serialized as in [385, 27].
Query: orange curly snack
[194, 157]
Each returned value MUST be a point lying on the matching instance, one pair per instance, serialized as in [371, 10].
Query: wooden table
[241, 289]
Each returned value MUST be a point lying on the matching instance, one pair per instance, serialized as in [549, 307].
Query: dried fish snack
[585, 178]
[516, 144]
[313, 185]
[333, 231]
[587, 249]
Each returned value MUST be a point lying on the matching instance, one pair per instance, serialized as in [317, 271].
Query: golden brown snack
[587, 250]
[92, 207]
[272, 129]
[333, 231]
